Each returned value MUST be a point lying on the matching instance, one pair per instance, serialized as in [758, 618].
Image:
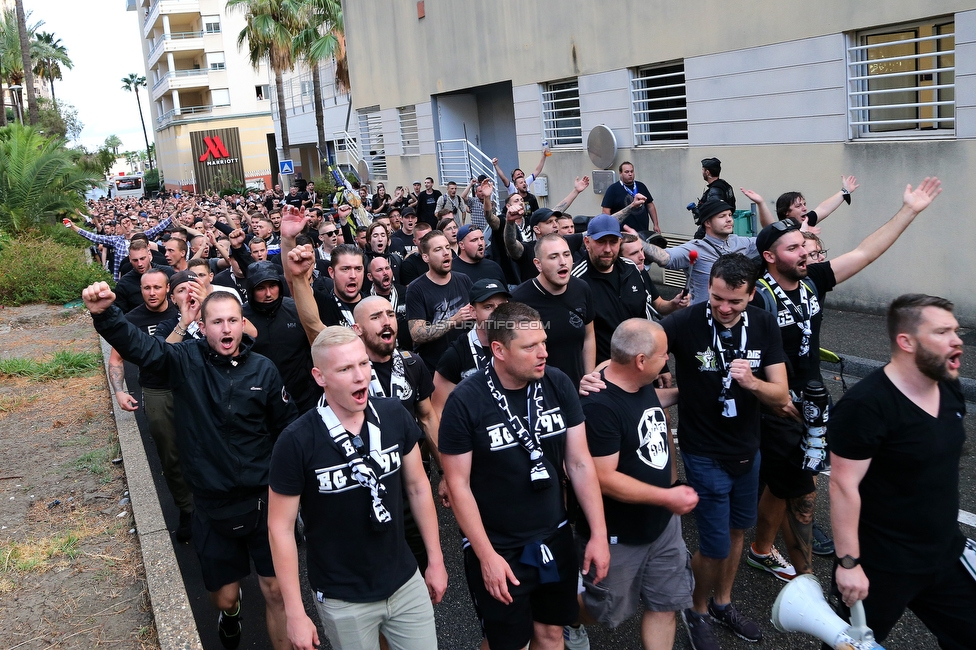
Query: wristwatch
[848, 562]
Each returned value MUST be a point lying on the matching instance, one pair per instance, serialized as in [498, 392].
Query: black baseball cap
[768, 235]
[543, 215]
[485, 288]
[710, 208]
[408, 212]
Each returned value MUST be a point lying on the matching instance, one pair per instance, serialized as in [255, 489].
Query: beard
[791, 272]
[933, 365]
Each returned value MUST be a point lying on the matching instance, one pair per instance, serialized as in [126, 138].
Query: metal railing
[176, 74]
[460, 161]
[169, 115]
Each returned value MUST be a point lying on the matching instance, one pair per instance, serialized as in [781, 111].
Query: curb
[861, 367]
[176, 629]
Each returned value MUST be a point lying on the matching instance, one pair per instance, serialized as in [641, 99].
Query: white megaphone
[801, 607]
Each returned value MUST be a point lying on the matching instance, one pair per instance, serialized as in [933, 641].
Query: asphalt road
[847, 333]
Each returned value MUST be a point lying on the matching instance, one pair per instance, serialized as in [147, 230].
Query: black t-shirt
[802, 369]
[226, 278]
[458, 360]
[427, 206]
[148, 321]
[432, 302]
[617, 296]
[282, 339]
[412, 267]
[702, 428]
[500, 254]
[485, 269]
[618, 197]
[402, 243]
[419, 387]
[566, 316]
[526, 264]
[513, 513]
[910, 493]
[297, 200]
[632, 425]
[347, 559]
[332, 309]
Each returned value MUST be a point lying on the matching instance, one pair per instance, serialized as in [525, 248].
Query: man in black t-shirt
[795, 291]
[380, 276]
[896, 439]
[565, 306]
[427, 203]
[404, 234]
[343, 463]
[129, 287]
[633, 451]
[471, 256]
[728, 359]
[437, 302]
[413, 265]
[516, 431]
[347, 270]
[156, 395]
[619, 195]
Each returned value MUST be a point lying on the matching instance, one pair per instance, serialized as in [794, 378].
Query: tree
[270, 27]
[11, 58]
[132, 83]
[113, 142]
[39, 181]
[320, 40]
[28, 66]
[50, 55]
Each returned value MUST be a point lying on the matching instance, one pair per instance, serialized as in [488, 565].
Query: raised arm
[512, 243]
[542, 162]
[831, 203]
[766, 215]
[298, 264]
[501, 175]
[621, 215]
[578, 187]
[484, 195]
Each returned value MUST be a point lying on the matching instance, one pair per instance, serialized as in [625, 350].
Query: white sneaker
[575, 638]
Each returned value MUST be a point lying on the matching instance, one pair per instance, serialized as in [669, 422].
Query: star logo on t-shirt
[653, 434]
[707, 360]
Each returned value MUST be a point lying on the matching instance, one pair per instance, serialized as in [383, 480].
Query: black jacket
[229, 410]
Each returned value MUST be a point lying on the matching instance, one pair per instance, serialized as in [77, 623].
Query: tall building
[789, 95]
[210, 109]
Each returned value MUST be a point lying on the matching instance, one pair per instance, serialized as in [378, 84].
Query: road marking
[967, 518]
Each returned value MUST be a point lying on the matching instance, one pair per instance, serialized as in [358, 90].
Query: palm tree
[11, 59]
[270, 27]
[33, 114]
[133, 83]
[49, 58]
[39, 181]
[321, 39]
[113, 142]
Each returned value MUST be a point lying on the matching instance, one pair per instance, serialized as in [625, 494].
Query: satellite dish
[363, 169]
[601, 145]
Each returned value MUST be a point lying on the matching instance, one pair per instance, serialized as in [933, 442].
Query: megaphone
[801, 607]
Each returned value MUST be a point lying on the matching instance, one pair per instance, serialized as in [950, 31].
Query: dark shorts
[782, 459]
[725, 502]
[225, 560]
[510, 627]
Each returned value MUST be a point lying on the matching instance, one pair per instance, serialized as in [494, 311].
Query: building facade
[789, 95]
[210, 109]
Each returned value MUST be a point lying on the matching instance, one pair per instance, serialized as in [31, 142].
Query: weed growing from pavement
[62, 365]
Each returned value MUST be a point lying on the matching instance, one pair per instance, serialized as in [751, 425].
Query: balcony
[185, 113]
[171, 7]
[180, 80]
[175, 42]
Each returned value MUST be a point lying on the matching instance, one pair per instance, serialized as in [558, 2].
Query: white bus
[127, 185]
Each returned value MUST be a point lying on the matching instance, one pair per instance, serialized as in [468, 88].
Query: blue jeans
[725, 502]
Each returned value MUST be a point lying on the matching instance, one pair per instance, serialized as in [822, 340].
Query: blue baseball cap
[603, 225]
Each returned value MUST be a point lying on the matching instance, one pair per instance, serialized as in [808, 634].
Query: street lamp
[15, 99]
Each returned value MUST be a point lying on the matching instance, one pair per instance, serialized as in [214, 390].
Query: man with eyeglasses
[794, 290]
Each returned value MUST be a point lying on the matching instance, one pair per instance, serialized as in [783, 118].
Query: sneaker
[822, 544]
[773, 563]
[575, 638]
[731, 618]
[229, 626]
[699, 630]
[184, 532]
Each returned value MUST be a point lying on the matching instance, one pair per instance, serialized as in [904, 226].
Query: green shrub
[64, 236]
[33, 269]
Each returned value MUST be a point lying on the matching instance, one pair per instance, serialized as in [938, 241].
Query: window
[371, 143]
[220, 97]
[262, 92]
[657, 93]
[409, 134]
[211, 24]
[901, 81]
[307, 89]
[561, 113]
[215, 60]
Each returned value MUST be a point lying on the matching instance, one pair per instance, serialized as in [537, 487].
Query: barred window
[658, 97]
[561, 113]
[409, 132]
[901, 80]
[371, 142]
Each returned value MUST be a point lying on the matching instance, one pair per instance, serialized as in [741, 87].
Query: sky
[103, 42]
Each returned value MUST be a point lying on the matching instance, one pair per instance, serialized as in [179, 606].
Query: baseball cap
[482, 178]
[408, 212]
[466, 230]
[602, 225]
[768, 235]
[542, 215]
[179, 278]
[417, 183]
[710, 208]
[485, 288]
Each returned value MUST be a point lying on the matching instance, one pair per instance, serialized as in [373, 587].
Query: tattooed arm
[512, 244]
[425, 331]
[578, 187]
[116, 378]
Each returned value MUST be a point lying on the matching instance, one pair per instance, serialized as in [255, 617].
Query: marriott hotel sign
[217, 159]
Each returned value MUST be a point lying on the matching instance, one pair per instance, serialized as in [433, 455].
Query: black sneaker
[229, 626]
[731, 618]
[184, 532]
[822, 544]
[699, 630]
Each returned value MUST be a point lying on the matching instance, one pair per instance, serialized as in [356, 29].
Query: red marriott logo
[215, 147]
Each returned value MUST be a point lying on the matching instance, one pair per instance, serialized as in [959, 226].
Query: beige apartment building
[789, 95]
[211, 110]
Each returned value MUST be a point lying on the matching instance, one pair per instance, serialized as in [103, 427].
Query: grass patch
[38, 555]
[36, 269]
[95, 461]
[64, 364]
[9, 404]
